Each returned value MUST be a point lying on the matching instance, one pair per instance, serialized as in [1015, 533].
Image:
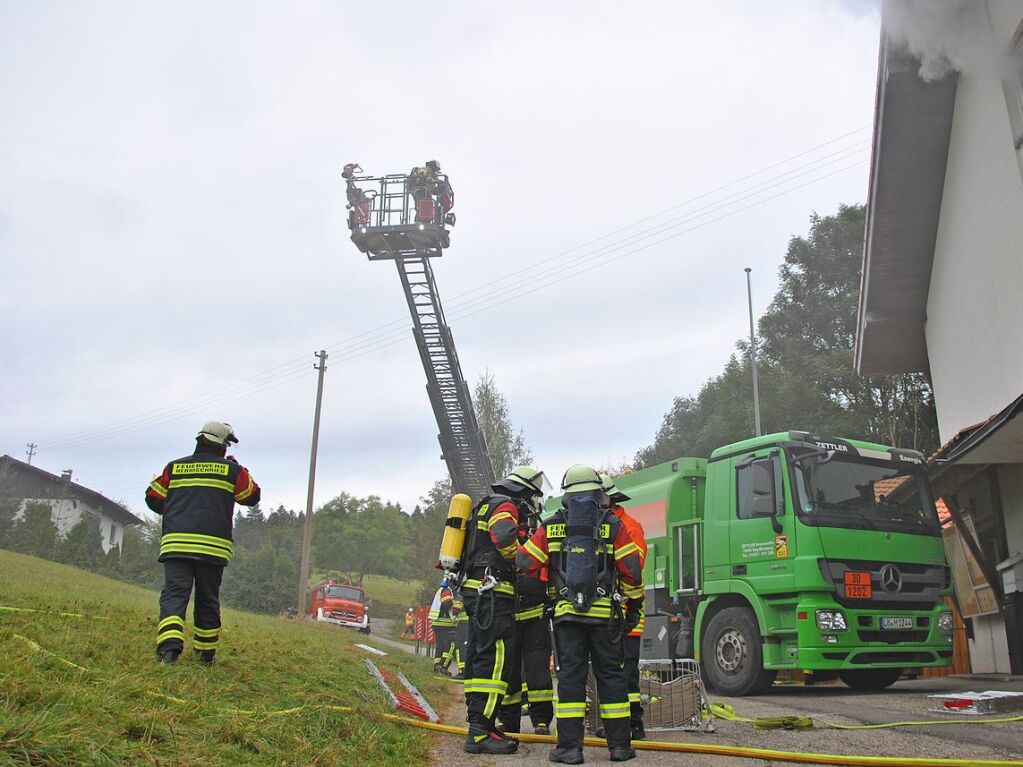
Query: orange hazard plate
[857, 585]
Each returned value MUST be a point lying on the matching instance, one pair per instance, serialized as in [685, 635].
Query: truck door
[761, 536]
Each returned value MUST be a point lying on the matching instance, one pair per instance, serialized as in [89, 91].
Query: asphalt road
[904, 701]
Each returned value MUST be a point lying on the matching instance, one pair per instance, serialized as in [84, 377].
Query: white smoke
[946, 35]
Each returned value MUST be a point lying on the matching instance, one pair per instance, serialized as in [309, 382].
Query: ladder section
[461, 439]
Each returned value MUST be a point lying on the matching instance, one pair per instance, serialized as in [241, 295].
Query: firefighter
[443, 628]
[410, 624]
[488, 593]
[530, 681]
[196, 495]
[633, 639]
[593, 563]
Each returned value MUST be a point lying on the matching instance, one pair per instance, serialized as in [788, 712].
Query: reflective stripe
[553, 546]
[635, 697]
[442, 622]
[485, 686]
[632, 592]
[172, 619]
[609, 548]
[219, 484]
[247, 491]
[206, 633]
[193, 548]
[511, 700]
[163, 636]
[502, 587]
[209, 540]
[541, 696]
[624, 551]
[601, 608]
[530, 614]
[509, 551]
[502, 515]
[494, 698]
[571, 710]
[535, 552]
[614, 710]
[157, 488]
[204, 644]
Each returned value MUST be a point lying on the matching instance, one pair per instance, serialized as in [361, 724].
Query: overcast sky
[173, 244]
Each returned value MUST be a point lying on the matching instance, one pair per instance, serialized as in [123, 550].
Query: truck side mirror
[765, 493]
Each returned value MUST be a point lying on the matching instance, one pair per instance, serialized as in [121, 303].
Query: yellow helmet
[580, 478]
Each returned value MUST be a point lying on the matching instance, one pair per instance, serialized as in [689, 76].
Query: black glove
[633, 613]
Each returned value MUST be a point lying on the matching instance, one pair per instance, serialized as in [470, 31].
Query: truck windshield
[343, 592]
[845, 491]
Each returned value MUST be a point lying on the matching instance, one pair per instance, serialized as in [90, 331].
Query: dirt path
[380, 637]
[906, 700]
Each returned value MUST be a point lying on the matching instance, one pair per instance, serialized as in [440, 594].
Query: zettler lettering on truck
[792, 551]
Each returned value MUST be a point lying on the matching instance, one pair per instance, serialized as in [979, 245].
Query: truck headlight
[831, 620]
[945, 622]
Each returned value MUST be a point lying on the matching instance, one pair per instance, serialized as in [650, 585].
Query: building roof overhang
[912, 128]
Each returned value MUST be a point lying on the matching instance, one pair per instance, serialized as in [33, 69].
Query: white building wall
[974, 309]
[67, 512]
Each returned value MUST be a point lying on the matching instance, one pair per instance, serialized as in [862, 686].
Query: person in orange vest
[634, 618]
[410, 624]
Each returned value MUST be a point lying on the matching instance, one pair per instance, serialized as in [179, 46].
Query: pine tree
[35, 532]
[83, 545]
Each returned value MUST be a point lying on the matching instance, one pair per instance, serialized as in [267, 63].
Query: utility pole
[31, 451]
[753, 354]
[307, 529]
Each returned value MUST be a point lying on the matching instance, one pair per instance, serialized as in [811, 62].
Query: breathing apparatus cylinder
[453, 544]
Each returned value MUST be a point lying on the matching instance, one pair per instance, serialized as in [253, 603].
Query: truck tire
[870, 679]
[732, 654]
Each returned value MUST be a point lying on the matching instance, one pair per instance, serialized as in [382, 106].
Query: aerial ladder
[406, 219]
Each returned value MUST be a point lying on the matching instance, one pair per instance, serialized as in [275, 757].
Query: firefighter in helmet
[634, 626]
[196, 495]
[443, 621]
[594, 564]
[488, 593]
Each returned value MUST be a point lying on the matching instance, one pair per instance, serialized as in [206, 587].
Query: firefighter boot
[622, 753]
[484, 738]
[168, 656]
[542, 729]
[207, 657]
[570, 742]
[638, 730]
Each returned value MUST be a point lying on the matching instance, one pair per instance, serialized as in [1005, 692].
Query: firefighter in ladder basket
[594, 564]
[488, 594]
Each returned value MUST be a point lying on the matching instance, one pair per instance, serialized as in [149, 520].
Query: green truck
[792, 551]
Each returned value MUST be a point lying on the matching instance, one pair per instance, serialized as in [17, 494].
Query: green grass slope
[121, 707]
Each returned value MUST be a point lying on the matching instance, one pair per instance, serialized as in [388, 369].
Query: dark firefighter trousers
[489, 646]
[178, 577]
[531, 676]
[444, 648]
[632, 647]
[578, 645]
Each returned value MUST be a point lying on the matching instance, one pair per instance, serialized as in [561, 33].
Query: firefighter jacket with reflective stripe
[622, 558]
[196, 496]
[635, 530]
[494, 531]
[440, 611]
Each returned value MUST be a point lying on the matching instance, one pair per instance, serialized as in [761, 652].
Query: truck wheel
[732, 654]
[870, 679]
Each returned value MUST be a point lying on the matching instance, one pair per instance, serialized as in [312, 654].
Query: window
[113, 534]
[758, 488]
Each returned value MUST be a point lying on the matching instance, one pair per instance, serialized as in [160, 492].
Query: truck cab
[342, 604]
[792, 551]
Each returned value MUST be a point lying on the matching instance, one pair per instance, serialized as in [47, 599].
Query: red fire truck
[340, 603]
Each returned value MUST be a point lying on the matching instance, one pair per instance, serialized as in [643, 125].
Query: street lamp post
[753, 354]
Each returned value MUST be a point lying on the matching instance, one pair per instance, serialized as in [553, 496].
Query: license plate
[896, 623]
[857, 585]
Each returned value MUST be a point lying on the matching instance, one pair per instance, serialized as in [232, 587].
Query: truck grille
[920, 585]
[893, 637]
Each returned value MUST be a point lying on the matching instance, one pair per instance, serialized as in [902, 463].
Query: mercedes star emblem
[891, 579]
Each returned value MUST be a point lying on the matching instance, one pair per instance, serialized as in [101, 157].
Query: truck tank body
[667, 500]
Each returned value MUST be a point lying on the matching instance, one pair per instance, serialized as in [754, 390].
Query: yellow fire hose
[743, 752]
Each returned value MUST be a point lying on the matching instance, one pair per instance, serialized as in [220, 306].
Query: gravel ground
[904, 701]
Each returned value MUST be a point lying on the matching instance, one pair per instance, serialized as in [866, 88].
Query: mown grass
[114, 712]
